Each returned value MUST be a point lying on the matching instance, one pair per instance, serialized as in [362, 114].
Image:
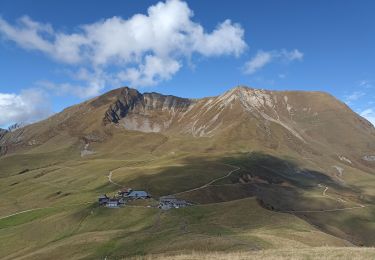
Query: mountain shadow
[277, 184]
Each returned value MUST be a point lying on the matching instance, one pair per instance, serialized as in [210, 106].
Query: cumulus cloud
[86, 83]
[369, 114]
[144, 49]
[152, 71]
[26, 107]
[262, 58]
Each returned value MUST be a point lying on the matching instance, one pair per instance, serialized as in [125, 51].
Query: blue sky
[55, 54]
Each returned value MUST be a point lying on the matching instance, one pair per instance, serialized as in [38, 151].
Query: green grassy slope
[227, 216]
[76, 231]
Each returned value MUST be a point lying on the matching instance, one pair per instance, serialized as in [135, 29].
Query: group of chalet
[122, 197]
[125, 195]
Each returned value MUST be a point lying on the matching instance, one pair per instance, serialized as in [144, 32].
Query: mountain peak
[247, 96]
[239, 89]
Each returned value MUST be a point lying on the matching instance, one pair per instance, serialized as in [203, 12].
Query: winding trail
[34, 209]
[110, 177]
[211, 182]
[20, 212]
[360, 206]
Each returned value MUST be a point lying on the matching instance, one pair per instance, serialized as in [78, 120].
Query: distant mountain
[16, 126]
[307, 123]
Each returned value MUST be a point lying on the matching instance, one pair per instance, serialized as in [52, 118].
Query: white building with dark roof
[138, 194]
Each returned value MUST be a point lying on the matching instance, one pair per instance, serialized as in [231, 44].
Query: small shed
[168, 199]
[103, 199]
[170, 202]
[138, 194]
[113, 203]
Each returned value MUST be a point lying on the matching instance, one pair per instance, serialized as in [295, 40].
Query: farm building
[103, 199]
[113, 203]
[170, 202]
[138, 194]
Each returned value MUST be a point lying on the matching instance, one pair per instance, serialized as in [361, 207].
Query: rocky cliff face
[150, 112]
[16, 126]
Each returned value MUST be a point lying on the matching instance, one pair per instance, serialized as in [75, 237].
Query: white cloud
[354, 97]
[369, 114]
[144, 49]
[364, 87]
[365, 84]
[152, 71]
[226, 39]
[27, 107]
[291, 55]
[88, 83]
[259, 61]
[27, 34]
[262, 58]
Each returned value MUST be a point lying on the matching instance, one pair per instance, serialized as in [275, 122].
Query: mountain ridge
[305, 117]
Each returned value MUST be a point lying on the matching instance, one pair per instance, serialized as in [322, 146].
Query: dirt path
[334, 198]
[360, 206]
[29, 210]
[110, 177]
[211, 182]
[20, 212]
[110, 174]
